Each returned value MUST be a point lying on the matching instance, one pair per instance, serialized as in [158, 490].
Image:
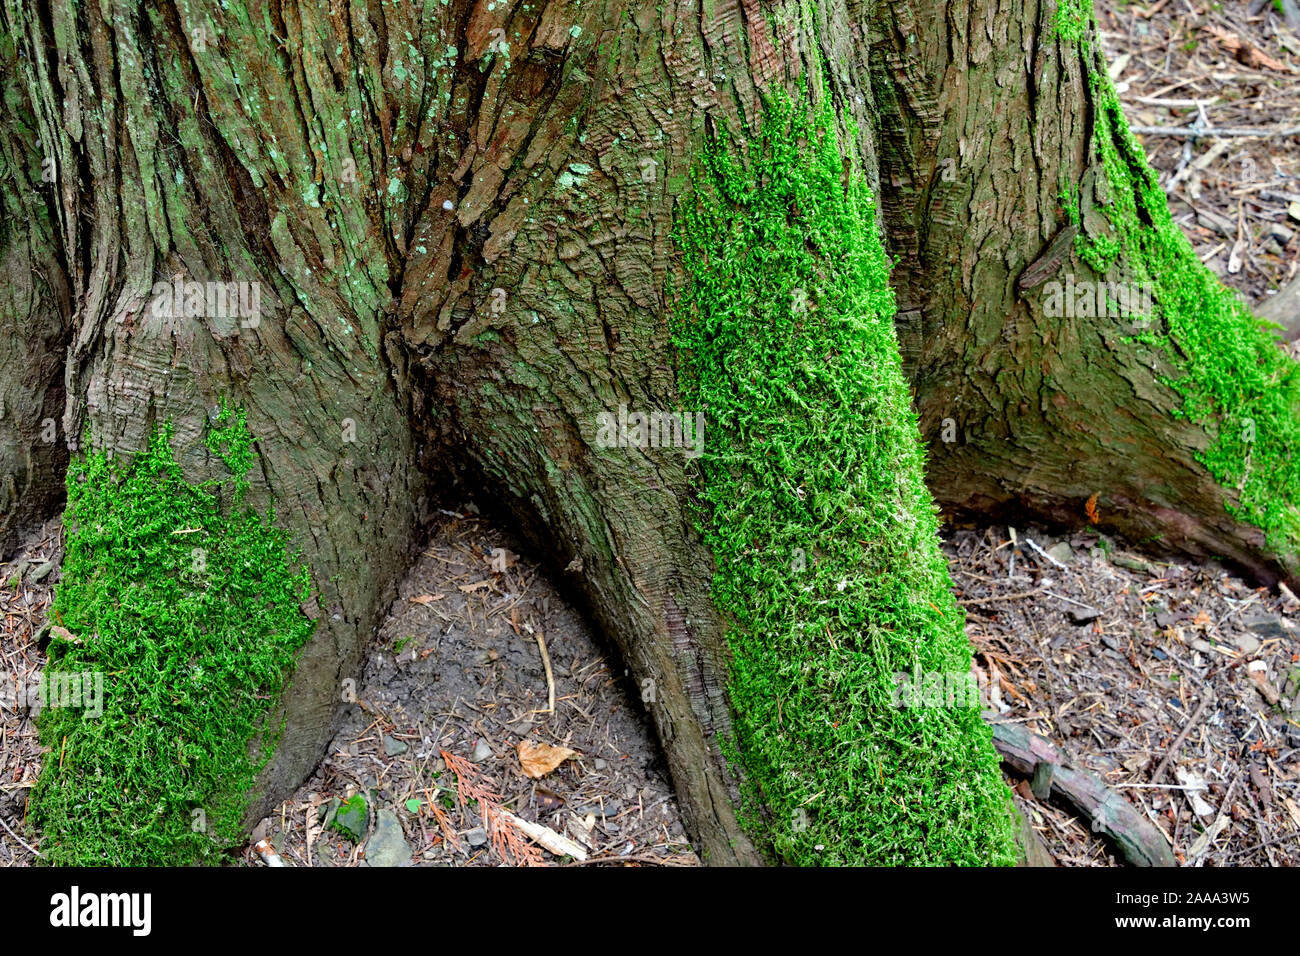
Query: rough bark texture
[34, 317]
[458, 216]
[987, 116]
[378, 171]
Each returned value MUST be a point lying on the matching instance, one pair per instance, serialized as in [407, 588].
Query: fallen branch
[1139, 841]
[1206, 132]
[557, 843]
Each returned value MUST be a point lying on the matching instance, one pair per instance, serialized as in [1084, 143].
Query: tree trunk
[459, 220]
[991, 119]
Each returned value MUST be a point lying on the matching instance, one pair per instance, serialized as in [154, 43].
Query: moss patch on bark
[1233, 378]
[189, 612]
[828, 567]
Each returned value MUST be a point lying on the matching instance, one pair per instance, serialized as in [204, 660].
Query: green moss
[350, 819]
[825, 538]
[1233, 378]
[1073, 19]
[190, 611]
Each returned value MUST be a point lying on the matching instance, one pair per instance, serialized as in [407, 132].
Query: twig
[630, 858]
[550, 678]
[557, 843]
[268, 854]
[19, 839]
[1178, 741]
[1206, 132]
[999, 597]
[1034, 544]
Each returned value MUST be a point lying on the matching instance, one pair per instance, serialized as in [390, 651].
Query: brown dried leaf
[63, 634]
[538, 760]
[427, 598]
[1245, 53]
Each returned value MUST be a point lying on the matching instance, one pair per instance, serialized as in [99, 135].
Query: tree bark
[458, 217]
[988, 114]
[34, 318]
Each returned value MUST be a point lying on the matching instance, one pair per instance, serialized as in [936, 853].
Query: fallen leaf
[477, 585]
[427, 598]
[540, 759]
[1244, 52]
[500, 559]
[63, 634]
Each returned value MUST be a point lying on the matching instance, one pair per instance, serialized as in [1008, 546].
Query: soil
[1196, 77]
[1111, 656]
[458, 668]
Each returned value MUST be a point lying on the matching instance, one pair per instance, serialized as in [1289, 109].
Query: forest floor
[481, 664]
[1174, 683]
[1213, 92]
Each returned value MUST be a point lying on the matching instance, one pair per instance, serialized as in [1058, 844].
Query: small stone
[1167, 619]
[1061, 551]
[326, 811]
[476, 837]
[601, 763]
[16, 575]
[41, 572]
[481, 752]
[388, 846]
[1248, 643]
[1082, 615]
[1269, 627]
[351, 817]
[394, 747]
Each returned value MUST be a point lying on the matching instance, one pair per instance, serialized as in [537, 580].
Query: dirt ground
[459, 669]
[1115, 658]
[1213, 92]
[1112, 656]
